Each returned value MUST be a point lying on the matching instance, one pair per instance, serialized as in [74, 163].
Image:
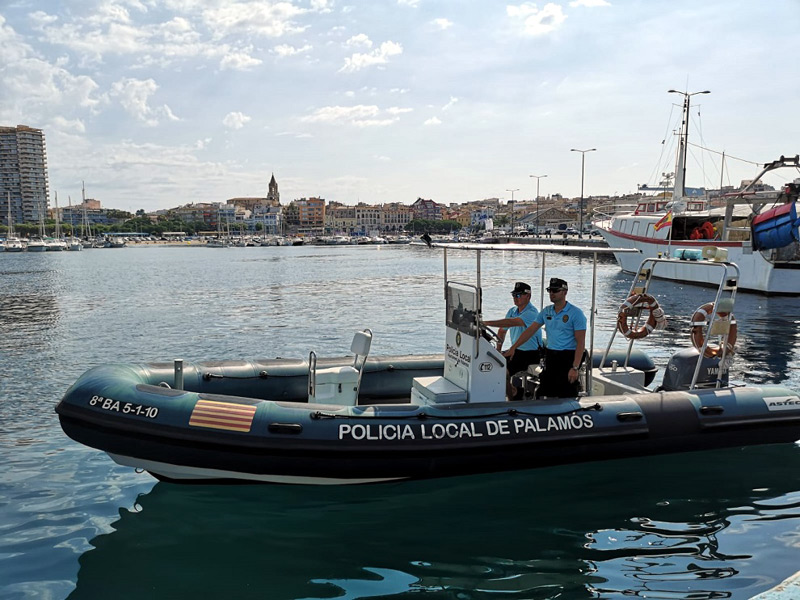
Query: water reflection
[26, 321]
[640, 527]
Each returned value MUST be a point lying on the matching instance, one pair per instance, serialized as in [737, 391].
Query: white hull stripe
[196, 473]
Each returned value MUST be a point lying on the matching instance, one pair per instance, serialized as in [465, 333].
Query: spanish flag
[665, 221]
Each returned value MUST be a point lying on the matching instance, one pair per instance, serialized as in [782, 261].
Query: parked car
[571, 231]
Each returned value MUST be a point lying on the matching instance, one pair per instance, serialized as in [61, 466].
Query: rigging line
[752, 162]
[659, 164]
[702, 141]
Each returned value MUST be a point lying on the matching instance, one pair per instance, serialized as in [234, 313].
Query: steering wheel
[489, 334]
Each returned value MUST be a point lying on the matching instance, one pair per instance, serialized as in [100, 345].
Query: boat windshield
[462, 307]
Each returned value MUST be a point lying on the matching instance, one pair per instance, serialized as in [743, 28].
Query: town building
[340, 219]
[427, 209]
[23, 174]
[310, 215]
[395, 216]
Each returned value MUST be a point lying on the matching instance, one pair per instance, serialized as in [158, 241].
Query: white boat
[56, 243]
[756, 230]
[218, 242]
[37, 244]
[12, 243]
[115, 242]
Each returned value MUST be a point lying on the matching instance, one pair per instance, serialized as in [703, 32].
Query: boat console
[474, 371]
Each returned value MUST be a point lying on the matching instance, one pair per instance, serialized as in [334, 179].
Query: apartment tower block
[23, 174]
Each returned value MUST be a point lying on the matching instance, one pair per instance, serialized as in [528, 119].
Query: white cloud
[442, 24]
[538, 22]
[33, 87]
[134, 96]
[235, 120]
[259, 18]
[396, 110]
[432, 121]
[359, 41]
[589, 3]
[379, 56]
[40, 18]
[67, 125]
[359, 116]
[413, 3]
[450, 104]
[321, 6]
[294, 134]
[239, 61]
[284, 50]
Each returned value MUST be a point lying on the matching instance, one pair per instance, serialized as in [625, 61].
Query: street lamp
[512, 208]
[538, 177]
[583, 163]
[680, 169]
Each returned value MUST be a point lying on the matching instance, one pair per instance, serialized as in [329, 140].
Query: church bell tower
[273, 195]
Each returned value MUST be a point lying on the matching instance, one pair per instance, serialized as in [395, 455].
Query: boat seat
[436, 390]
[339, 384]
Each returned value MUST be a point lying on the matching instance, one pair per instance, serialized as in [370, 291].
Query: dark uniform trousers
[554, 380]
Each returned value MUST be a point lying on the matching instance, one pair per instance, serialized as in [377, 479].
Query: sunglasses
[555, 290]
[516, 295]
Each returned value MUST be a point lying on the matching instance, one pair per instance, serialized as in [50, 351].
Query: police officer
[518, 318]
[565, 325]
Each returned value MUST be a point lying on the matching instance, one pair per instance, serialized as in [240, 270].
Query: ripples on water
[722, 524]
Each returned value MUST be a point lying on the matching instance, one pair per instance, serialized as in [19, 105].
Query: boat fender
[699, 320]
[655, 320]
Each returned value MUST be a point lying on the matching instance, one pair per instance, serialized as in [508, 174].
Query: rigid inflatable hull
[200, 435]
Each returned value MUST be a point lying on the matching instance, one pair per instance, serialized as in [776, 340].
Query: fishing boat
[757, 230]
[366, 419]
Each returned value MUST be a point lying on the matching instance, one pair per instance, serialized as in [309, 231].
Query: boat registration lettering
[126, 408]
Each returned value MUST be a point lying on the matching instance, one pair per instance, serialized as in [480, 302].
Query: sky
[159, 103]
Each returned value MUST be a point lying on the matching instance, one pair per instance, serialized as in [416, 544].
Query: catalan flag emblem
[222, 415]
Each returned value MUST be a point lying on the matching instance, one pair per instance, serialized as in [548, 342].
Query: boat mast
[679, 190]
[10, 233]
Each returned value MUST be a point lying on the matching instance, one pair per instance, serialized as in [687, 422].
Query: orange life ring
[633, 302]
[699, 321]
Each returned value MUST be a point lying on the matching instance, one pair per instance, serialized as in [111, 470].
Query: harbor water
[73, 524]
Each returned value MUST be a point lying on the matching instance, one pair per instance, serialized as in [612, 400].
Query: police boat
[365, 419]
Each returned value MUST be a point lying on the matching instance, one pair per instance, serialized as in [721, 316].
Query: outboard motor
[527, 381]
[680, 371]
